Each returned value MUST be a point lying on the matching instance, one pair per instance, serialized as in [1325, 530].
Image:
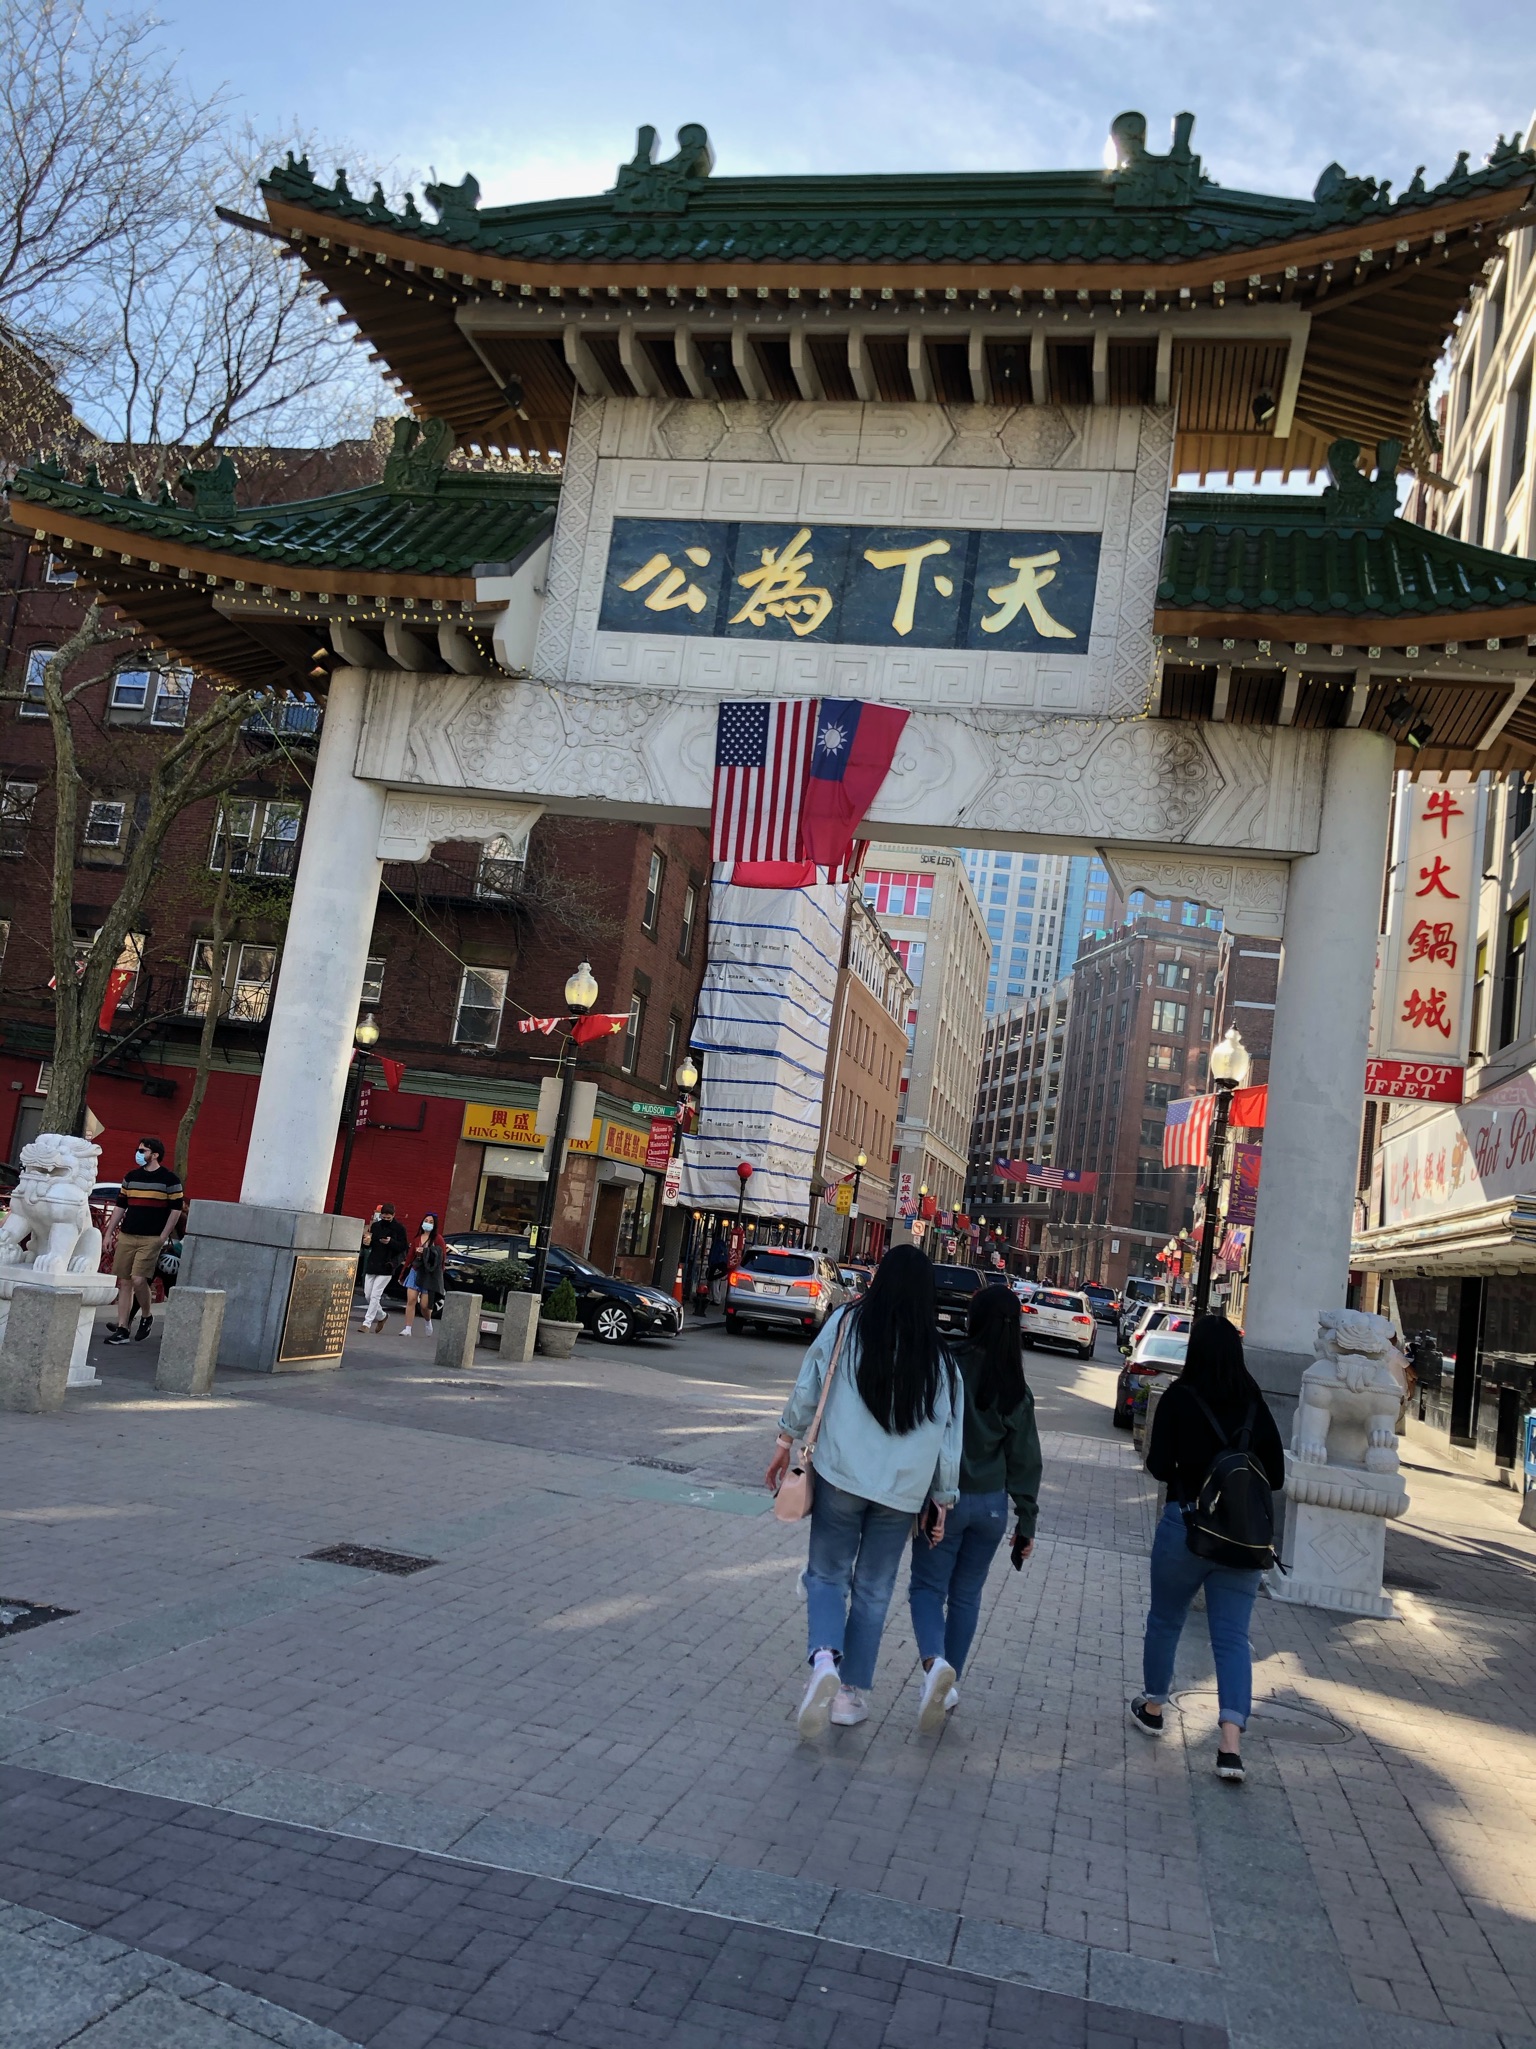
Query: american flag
[1187, 1133]
[762, 760]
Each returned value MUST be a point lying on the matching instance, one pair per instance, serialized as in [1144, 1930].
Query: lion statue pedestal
[1342, 1482]
[48, 1240]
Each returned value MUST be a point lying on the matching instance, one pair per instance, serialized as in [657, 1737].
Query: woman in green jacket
[1001, 1458]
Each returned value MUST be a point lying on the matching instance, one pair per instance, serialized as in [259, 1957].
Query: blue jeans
[954, 1573]
[1230, 1592]
[856, 1548]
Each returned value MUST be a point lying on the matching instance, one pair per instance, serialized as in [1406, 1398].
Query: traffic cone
[677, 1286]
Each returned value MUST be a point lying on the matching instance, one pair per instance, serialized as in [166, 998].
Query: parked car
[1167, 1316]
[956, 1288]
[856, 1278]
[1104, 1302]
[614, 1311]
[1025, 1290]
[1162, 1352]
[781, 1288]
[1055, 1317]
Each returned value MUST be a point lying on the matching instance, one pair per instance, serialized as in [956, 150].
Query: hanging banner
[1424, 1002]
[1243, 1195]
[658, 1149]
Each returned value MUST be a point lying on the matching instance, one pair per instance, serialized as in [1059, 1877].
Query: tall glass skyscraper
[1037, 907]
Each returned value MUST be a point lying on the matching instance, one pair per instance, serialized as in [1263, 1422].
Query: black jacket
[1000, 1451]
[428, 1265]
[1184, 1444]
[387, 1246]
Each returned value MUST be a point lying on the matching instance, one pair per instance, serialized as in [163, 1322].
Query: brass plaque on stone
[319, 1303]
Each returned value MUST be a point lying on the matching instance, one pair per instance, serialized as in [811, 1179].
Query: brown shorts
[135, 1258]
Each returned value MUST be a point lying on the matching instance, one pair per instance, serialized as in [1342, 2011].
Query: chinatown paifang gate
[904, 438]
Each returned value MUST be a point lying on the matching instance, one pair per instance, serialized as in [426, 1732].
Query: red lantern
[746, 1171]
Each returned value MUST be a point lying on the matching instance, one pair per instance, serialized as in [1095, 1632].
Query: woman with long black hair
[1214, 1404]
[1000, 1460]
[889, 1444]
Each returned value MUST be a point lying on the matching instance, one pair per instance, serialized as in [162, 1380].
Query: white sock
[825, 1662]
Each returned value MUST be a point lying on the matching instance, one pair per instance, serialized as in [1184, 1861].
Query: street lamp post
[853, 1208]
[581, 998]
[364, 1038]
[687, 1079]
[1229, 1070]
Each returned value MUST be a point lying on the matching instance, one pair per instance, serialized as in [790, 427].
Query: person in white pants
[385, 1245]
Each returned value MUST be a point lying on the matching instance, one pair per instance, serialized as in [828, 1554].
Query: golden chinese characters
[1023, 594]
[780, 591]
[910, 562]
[674, 589]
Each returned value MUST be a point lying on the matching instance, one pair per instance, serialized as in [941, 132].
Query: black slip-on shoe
[118, 1336]
[143, 1328]
[1148, 1723]
[1229, 1766]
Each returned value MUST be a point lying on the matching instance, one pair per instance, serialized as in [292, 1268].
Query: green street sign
[653, 1109]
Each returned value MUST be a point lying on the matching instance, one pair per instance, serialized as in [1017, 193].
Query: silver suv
[778, 1286]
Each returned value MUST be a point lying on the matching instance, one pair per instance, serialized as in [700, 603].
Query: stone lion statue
[1351, 1394]
[51, 1208]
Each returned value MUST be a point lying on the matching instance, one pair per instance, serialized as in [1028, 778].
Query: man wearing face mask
[148, 1204]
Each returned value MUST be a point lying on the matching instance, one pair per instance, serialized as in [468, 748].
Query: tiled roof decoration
[1343, 553]
[1149, 208]
[421, 520]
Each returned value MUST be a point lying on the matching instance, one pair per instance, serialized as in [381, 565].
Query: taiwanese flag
[855, 745]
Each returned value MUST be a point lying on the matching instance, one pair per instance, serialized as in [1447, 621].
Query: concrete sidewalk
[594, 1687]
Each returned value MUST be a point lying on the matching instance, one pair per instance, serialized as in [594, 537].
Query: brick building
[1017, 1105]
[1142, 1015]
[1247, 978]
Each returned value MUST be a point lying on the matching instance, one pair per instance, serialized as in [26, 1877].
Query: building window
[59, 572]
[248, 973]
[1519, 430]
[173, 694]
[106, 822]
[477, 1020]
[502, 862]
[638, 1215]
[1520, 796]
[1172, 974]
[669, 1057]
[1190, 915]
[263, 837]
[632, 1030]
[690, 915]
[1476, 1047]
[1516, 933]
[32, 705]
[373, 980]
[653, 877]
[1166, 1059]
[16, 801]
[1169, 1017]
[130, 690]
[899, 895]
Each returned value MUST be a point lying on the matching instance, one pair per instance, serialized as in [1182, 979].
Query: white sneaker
[811, 1721]
[849, 1709]
[405, 1330]
[429, 1323]
[951, 1700]
[937, 1682]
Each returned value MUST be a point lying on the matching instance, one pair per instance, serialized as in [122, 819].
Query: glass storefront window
[635, 1223]
[507, 1205]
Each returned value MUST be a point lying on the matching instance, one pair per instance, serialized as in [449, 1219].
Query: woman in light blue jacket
[889, 1445]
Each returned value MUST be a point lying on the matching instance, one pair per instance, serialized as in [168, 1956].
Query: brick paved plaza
[549, 1788]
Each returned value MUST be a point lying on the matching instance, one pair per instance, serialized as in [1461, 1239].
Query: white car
[1172, 1317]
[1054, 1317]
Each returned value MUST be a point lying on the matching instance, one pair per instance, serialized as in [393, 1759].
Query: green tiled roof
[439, 527]
[1152, 209]
[1304, 555]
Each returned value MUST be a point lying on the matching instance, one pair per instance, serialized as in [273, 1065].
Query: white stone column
[320, 982]
[1317, 1065]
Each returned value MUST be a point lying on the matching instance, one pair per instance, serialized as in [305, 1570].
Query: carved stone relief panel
[1250, 894]
[413, 825]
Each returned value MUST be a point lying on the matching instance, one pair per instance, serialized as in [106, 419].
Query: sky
[543, 100]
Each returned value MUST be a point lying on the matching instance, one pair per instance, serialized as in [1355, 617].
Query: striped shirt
[148, 1195]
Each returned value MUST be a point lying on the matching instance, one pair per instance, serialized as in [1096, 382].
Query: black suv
[957, 1287]
[612, 1310]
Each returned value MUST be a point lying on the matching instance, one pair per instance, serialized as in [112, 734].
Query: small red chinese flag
[394, 1072]
[117, 982]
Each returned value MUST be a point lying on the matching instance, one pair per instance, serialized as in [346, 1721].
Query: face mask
[141, 1158]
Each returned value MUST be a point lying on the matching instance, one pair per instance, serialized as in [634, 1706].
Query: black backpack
[1231, 1521]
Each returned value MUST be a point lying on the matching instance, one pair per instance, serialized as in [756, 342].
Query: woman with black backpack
[1215, 1445]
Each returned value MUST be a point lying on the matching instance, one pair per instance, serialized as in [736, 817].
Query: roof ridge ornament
[1353, 499]
[212, 490]
[418, 451]
[1142, 179]
[457, 206]
[645, 186]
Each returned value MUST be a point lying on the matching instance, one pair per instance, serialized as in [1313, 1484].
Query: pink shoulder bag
[797, 1489]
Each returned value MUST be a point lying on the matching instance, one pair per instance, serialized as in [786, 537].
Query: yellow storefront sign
[620, 1142]
[500, 1124]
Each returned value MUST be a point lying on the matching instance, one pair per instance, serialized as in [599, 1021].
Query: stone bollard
[458, 1330]
[35, 1355]
[519, 1327]
[189, 1349]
